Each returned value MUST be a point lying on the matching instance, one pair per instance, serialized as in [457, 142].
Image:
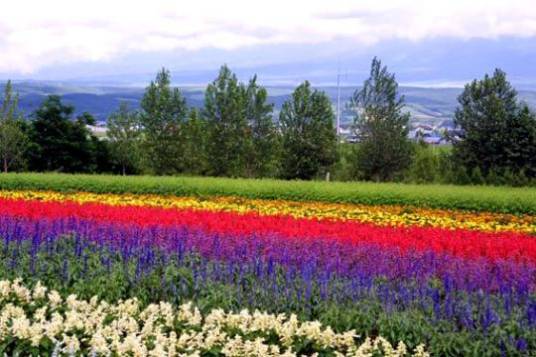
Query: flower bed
[462, 283]
[38, 320]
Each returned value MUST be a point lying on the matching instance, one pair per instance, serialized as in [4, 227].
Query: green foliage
[498, 133]
[102, 157]
[521, 179]
[476, 198]
[59, 143]
[343, 168]
[195, 145]
[446, 165]
[163, 113]
[309, 141]
[437, 164]
[425, 165]
[229, 134]
[124, 135]
[461, 176]
[476, 176]
[13, 139]
[264, 154]
[384, 150]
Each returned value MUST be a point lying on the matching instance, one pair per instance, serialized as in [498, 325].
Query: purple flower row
[318, 256]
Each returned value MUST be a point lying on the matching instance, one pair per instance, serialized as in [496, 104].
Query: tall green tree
[309, 140]
[229, 135]
[384, 150]
[264, 154]
[498, 133]
[13, 139]
[124, 135]
[163, 113]
[59, 142]
[195, 144]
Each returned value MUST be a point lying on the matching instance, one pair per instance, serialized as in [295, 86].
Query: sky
[439, 42]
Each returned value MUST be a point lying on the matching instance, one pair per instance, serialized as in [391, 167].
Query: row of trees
[235, 134]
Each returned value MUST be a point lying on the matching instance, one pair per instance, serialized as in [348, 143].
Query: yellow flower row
[393, 215]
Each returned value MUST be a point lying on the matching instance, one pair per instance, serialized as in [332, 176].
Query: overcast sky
[37, 36]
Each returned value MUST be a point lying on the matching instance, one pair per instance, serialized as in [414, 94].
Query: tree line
[235, 134]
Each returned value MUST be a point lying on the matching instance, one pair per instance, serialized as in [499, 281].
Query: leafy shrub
[425, 165]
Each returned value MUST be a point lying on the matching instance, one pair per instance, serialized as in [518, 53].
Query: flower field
[378, 275]
[31, 315]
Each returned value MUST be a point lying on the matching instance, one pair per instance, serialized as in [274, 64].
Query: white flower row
[38, 319]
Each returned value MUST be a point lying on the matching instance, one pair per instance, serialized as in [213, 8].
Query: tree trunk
[124, 170]
[5, 165]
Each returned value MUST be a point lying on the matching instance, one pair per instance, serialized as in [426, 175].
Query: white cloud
[36, 33]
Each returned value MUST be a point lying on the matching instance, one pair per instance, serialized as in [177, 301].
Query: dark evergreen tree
[163, 113]
[309, 140]
[498, 134]
[229, 136]
[264, 155]
[59, 143]
[384, 150]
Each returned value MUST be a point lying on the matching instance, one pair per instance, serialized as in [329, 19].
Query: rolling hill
[426, 105]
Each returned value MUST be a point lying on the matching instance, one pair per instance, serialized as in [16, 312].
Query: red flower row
[462, 243]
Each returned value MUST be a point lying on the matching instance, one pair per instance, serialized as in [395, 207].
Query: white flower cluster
[37, 318]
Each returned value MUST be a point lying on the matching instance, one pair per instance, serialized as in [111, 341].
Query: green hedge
[476, 198]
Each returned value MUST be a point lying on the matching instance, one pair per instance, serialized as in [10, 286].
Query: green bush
[425, 165]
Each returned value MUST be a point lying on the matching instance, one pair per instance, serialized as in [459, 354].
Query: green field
[476, 198]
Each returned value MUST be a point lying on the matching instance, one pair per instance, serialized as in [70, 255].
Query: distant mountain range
[426, 105]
